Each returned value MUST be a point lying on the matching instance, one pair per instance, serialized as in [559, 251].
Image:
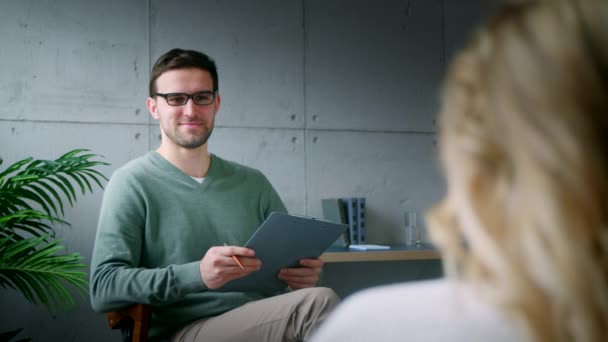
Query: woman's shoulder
[435, 310]
[405, 299]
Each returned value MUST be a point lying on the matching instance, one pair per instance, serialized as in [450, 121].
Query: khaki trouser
[291, 316]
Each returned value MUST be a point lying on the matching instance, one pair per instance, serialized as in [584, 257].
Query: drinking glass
[412, 228]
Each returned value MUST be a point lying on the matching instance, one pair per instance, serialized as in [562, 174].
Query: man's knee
[328, 295]
[323, 296]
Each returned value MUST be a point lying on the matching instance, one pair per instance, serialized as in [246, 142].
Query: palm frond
[32, 196]
[16, 166]
[29, 185]
[39, 272]
[30, 221]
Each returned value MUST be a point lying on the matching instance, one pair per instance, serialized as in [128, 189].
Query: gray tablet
[281, 241]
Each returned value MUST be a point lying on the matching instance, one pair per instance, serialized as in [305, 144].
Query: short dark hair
[179, 59]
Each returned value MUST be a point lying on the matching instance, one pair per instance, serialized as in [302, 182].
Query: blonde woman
[524, 225]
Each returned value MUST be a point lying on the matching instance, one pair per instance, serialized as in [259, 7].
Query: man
[166, 216]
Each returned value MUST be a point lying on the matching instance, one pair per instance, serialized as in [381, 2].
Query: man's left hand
[302, 277]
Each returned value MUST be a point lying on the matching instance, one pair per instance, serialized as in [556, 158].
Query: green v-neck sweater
[156, 224]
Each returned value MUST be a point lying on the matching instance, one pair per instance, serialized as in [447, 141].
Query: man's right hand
[218, 267]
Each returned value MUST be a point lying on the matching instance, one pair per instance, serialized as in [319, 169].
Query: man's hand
[302, 277]
[218, 267]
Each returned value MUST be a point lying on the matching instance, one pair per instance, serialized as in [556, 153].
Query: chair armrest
[132, 321]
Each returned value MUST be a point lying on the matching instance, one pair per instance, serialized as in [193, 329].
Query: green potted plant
[32, 197]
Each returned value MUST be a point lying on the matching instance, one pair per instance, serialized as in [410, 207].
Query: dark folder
[281, 241]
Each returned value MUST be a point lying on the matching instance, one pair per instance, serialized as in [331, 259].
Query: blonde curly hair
[524, 146]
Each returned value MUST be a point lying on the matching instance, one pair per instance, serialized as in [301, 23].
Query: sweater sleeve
[117, 279]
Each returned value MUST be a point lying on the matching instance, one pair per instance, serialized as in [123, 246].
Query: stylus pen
[236, 259]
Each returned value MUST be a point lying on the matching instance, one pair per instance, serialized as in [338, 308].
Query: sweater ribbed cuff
[189, 277]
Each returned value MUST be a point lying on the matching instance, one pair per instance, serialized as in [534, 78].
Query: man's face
[188, 126]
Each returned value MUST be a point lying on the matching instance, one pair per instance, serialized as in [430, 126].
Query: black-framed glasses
[179, 99]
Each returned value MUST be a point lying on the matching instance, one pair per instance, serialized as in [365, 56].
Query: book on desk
[349, 211]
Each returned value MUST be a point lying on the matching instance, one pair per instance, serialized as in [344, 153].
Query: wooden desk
[397, 252]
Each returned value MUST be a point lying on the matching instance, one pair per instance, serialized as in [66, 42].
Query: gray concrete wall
[327, 98]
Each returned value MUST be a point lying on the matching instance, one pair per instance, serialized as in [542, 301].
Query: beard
[189, 142]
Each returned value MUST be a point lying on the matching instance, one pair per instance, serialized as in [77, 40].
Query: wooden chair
[132, 321]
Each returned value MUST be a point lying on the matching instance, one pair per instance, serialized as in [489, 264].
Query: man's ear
[218, 100]
[151, 104]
